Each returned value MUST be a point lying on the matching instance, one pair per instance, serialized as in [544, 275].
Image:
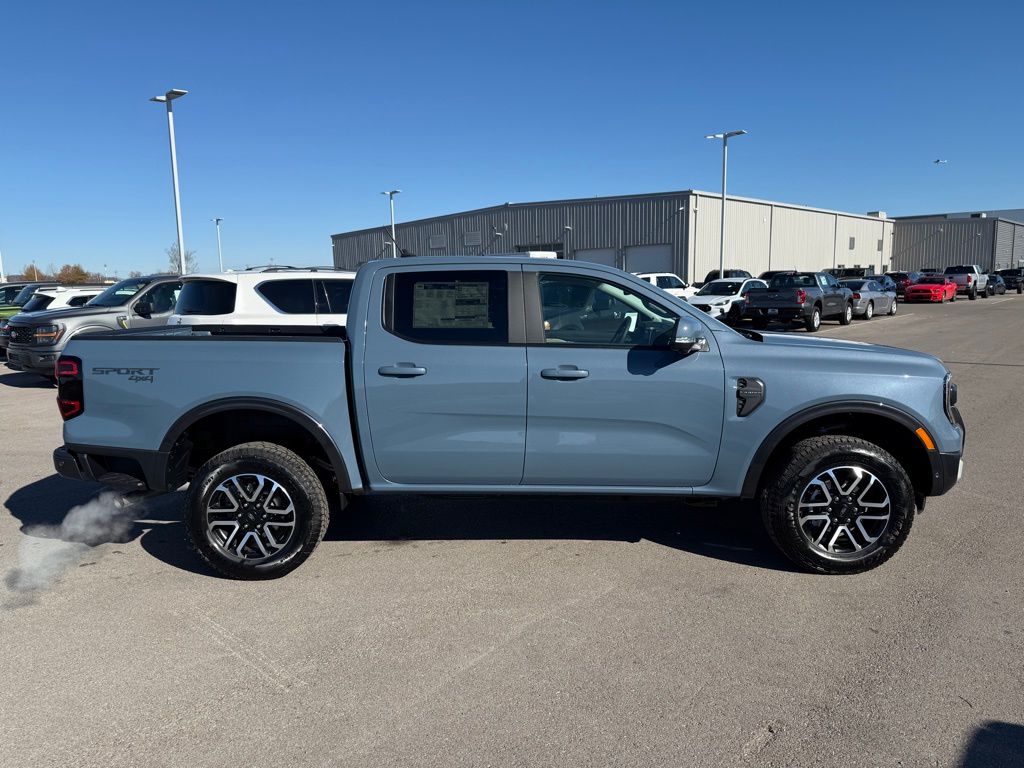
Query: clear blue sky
[299, 113]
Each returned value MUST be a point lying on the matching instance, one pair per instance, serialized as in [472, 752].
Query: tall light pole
[391, 199]
[3, 275]
[725, 170]
[168, 98]
[220, 256]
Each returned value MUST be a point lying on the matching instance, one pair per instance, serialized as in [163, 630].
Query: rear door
[444, 373]
[609, 404]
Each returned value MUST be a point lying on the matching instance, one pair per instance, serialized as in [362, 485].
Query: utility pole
[391, 198]
[220, 255]
[168, 98]
[725, 170]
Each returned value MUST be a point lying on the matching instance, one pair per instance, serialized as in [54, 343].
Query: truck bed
[136, 384]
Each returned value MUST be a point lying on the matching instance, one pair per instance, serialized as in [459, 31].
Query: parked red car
[931, 288]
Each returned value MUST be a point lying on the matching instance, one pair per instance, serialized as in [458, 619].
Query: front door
[161, 299]
[609, 402]
[445, 376]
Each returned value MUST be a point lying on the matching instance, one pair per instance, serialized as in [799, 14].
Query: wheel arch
[282, 423]
[888, 427]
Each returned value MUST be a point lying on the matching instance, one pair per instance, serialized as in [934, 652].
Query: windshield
[37, 303]
[719, 288]
[24, 295]
[119, 293]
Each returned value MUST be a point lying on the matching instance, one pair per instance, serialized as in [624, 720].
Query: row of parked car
[842, 294]
[38, 320]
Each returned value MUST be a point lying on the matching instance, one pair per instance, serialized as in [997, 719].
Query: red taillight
[968, 279]
[70, 391]
[856, 296]
[801, 296]
[67, 366]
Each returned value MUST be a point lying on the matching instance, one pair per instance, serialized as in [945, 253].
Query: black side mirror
[143, 309]
[689, 337]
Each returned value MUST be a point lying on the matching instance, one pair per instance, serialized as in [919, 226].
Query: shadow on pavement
[730, 531]
[994, 745]
[23, 380]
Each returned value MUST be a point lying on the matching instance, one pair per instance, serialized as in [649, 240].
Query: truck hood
[841, 345]
[52, 315]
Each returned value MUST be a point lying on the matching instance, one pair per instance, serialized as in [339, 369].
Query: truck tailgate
[773, 298]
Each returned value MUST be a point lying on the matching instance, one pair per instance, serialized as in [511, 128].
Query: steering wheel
[621, 331]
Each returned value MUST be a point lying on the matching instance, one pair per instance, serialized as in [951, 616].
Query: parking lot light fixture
[725, 166]
[391, 199]
[220, 255]
[168, 98]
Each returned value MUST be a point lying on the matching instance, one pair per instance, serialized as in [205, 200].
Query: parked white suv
[61, 296]
[265, 296]
[668, 282]
[725, 298]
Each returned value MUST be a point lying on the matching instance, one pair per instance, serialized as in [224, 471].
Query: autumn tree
[71, 274]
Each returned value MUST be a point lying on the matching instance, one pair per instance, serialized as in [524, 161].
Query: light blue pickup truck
[510, 376]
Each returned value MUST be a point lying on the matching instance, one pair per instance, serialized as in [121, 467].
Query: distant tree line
[70, 274]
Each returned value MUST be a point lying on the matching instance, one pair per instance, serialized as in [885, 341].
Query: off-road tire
[280, 465]
[813, 323]
[803, 462]
[847, 317]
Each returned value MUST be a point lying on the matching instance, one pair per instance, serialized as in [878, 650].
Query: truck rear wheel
[838, 505]
[813, 322]
[255, 511]
[972, 294]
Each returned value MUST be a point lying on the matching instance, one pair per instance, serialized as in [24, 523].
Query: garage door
[649, 258]
[604, 256]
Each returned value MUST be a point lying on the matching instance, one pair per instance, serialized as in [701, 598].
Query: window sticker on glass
[451, 305]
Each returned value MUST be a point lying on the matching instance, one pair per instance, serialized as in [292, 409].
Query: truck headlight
[949, 396]
[48, 334]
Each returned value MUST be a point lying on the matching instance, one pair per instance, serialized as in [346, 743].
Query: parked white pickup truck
[971, 280]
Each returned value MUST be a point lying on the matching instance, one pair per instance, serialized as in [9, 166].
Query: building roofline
[599, 199]
[941, 217]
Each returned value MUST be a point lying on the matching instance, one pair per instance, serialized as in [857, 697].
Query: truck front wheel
[255, 511]
[838, 504]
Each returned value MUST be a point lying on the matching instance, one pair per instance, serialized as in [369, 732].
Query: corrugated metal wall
[599, 223]
[939, 243]
[1018, 246]
[761, 234]
[1003, 255]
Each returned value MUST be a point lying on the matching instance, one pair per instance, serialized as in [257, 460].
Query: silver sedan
[870, 298]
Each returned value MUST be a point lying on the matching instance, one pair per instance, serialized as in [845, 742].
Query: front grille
[703, 307]
[21, 334]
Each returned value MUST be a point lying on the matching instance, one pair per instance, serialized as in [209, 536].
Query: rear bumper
[123, 469]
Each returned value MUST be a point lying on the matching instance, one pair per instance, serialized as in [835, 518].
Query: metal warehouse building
[661, 232]
[940, 240]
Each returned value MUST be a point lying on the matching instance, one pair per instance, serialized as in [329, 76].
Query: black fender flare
[792, 423]
[297, 415]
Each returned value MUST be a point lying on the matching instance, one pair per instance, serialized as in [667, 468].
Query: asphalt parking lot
[546, 631]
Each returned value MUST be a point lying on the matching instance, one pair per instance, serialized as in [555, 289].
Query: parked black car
[903, 279]
[1014, 279]
[887, 283]
[713, 275]
[996, 285]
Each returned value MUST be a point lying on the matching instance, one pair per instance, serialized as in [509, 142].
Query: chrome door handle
[402, 370]
[564, 373]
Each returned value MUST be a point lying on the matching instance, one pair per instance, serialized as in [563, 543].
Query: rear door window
[207, 297]
[448, 307]
[292, 297]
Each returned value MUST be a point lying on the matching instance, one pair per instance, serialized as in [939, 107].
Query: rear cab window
[448, 307]
[207, 297]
